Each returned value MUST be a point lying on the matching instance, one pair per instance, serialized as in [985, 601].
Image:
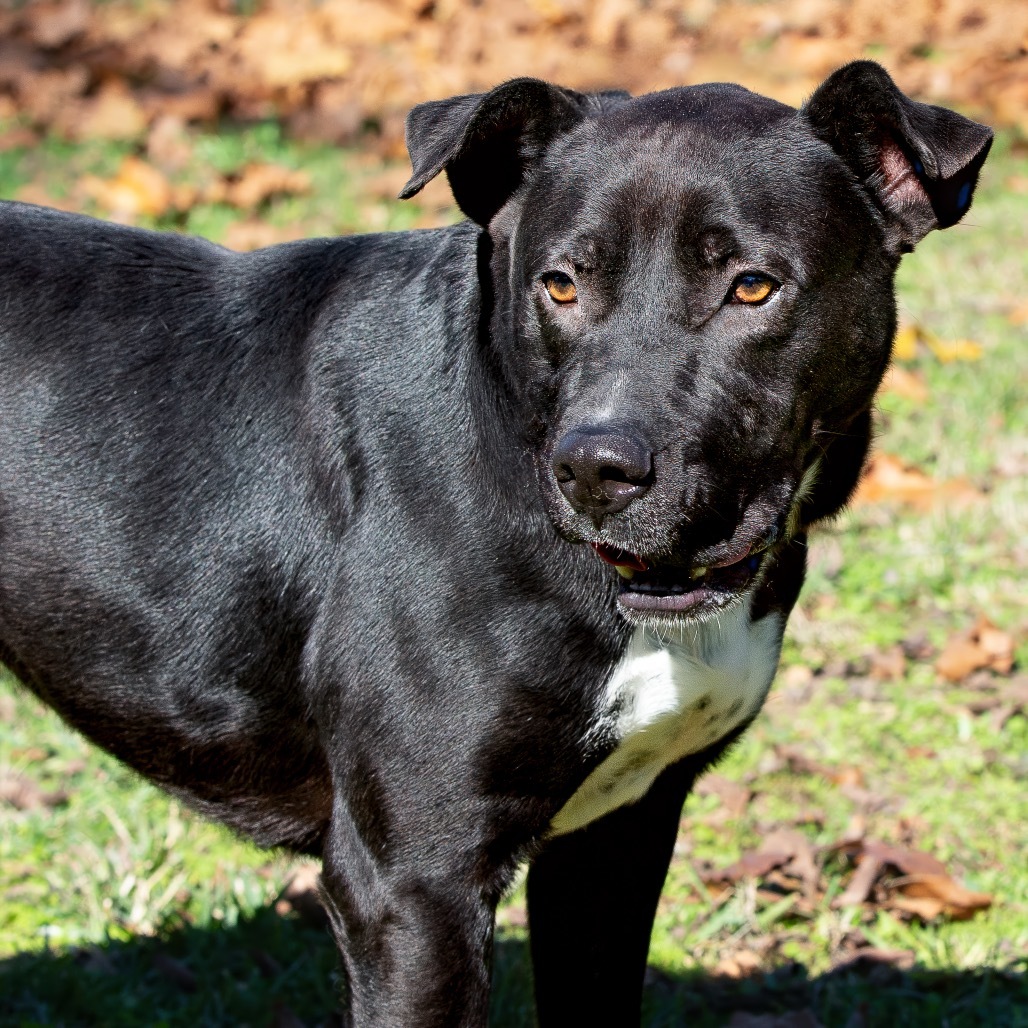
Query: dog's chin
[655, 594]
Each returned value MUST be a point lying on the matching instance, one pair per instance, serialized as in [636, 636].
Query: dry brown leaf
[960, 657]
[904, 959]
[924, 907]
[799, 763]
[138, 188]
[859, 887]
[910, 862]
[908, 384]
[301, 896]
[257, 183]
[954, 900]
[253, 235]
[739, 964]
[281, 50]
[168, 144]
[984, 646]
[114, 113]
[17, 137]
[904, 346]
[734, 796]
[749, 865]
[35, 193]
[889, 480]
[949, 350]
[24, 794]
[888, 665]
[53, 25]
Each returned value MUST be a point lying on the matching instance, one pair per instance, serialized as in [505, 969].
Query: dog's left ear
[488, 142]
[920, 162]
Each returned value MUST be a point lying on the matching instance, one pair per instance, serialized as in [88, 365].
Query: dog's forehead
[716, 107]
[679, 163]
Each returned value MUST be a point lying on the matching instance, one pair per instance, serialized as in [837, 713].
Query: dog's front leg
[592, 896]
[414, 930]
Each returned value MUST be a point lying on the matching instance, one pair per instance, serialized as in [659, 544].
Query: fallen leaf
[17, 137]
[53, 25]
[253, 235]
[739, 964]
[168, 144]
[888, 665]
[799, 763]
[859, 887]
[984, 646]
[904, 345]
[924, 907]
[908, 384]
[138, 188]
[113, 113]
[889, 480]
[949, 350]
[734, 797]
[24, 794]
[904, 959]
[301, 896]
[952, 898]
[257, 183]
[38, 194]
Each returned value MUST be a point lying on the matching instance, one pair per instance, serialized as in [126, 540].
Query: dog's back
[173, 492]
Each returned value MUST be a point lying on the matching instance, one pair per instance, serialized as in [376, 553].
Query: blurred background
[860, 858]
[345, 72]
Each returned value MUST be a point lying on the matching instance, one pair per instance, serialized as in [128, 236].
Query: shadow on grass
[274, 972]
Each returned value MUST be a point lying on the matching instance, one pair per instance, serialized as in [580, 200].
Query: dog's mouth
[679, 591]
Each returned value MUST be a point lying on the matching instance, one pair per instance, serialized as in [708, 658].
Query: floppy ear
[920, 162]
[487, 142]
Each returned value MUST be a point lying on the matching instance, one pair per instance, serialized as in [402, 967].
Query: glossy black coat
[281, 530]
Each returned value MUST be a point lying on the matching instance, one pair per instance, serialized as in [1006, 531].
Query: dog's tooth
[697, 572]
[624, 570]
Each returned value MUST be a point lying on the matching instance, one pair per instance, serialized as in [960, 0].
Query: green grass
[99, 892]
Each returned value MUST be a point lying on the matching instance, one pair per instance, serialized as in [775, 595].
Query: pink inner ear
[900, 187]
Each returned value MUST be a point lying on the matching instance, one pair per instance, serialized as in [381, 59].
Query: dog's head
[694, 301]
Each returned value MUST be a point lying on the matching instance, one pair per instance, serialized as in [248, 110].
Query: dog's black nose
[601, 472]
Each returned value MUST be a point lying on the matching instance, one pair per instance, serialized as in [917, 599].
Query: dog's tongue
[619, 558]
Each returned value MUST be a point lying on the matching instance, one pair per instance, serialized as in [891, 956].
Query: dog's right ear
[919, 162]
[487, 142]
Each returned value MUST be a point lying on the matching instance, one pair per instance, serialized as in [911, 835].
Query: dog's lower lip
[667, 603]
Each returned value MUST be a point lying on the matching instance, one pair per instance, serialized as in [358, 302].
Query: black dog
[435, 552]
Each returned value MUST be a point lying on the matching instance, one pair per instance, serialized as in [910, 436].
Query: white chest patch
[667, 699]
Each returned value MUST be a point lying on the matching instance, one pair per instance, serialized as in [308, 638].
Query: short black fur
[286, 531]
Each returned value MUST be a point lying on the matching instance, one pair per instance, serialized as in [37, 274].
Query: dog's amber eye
[752, 288]
[560, 288]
